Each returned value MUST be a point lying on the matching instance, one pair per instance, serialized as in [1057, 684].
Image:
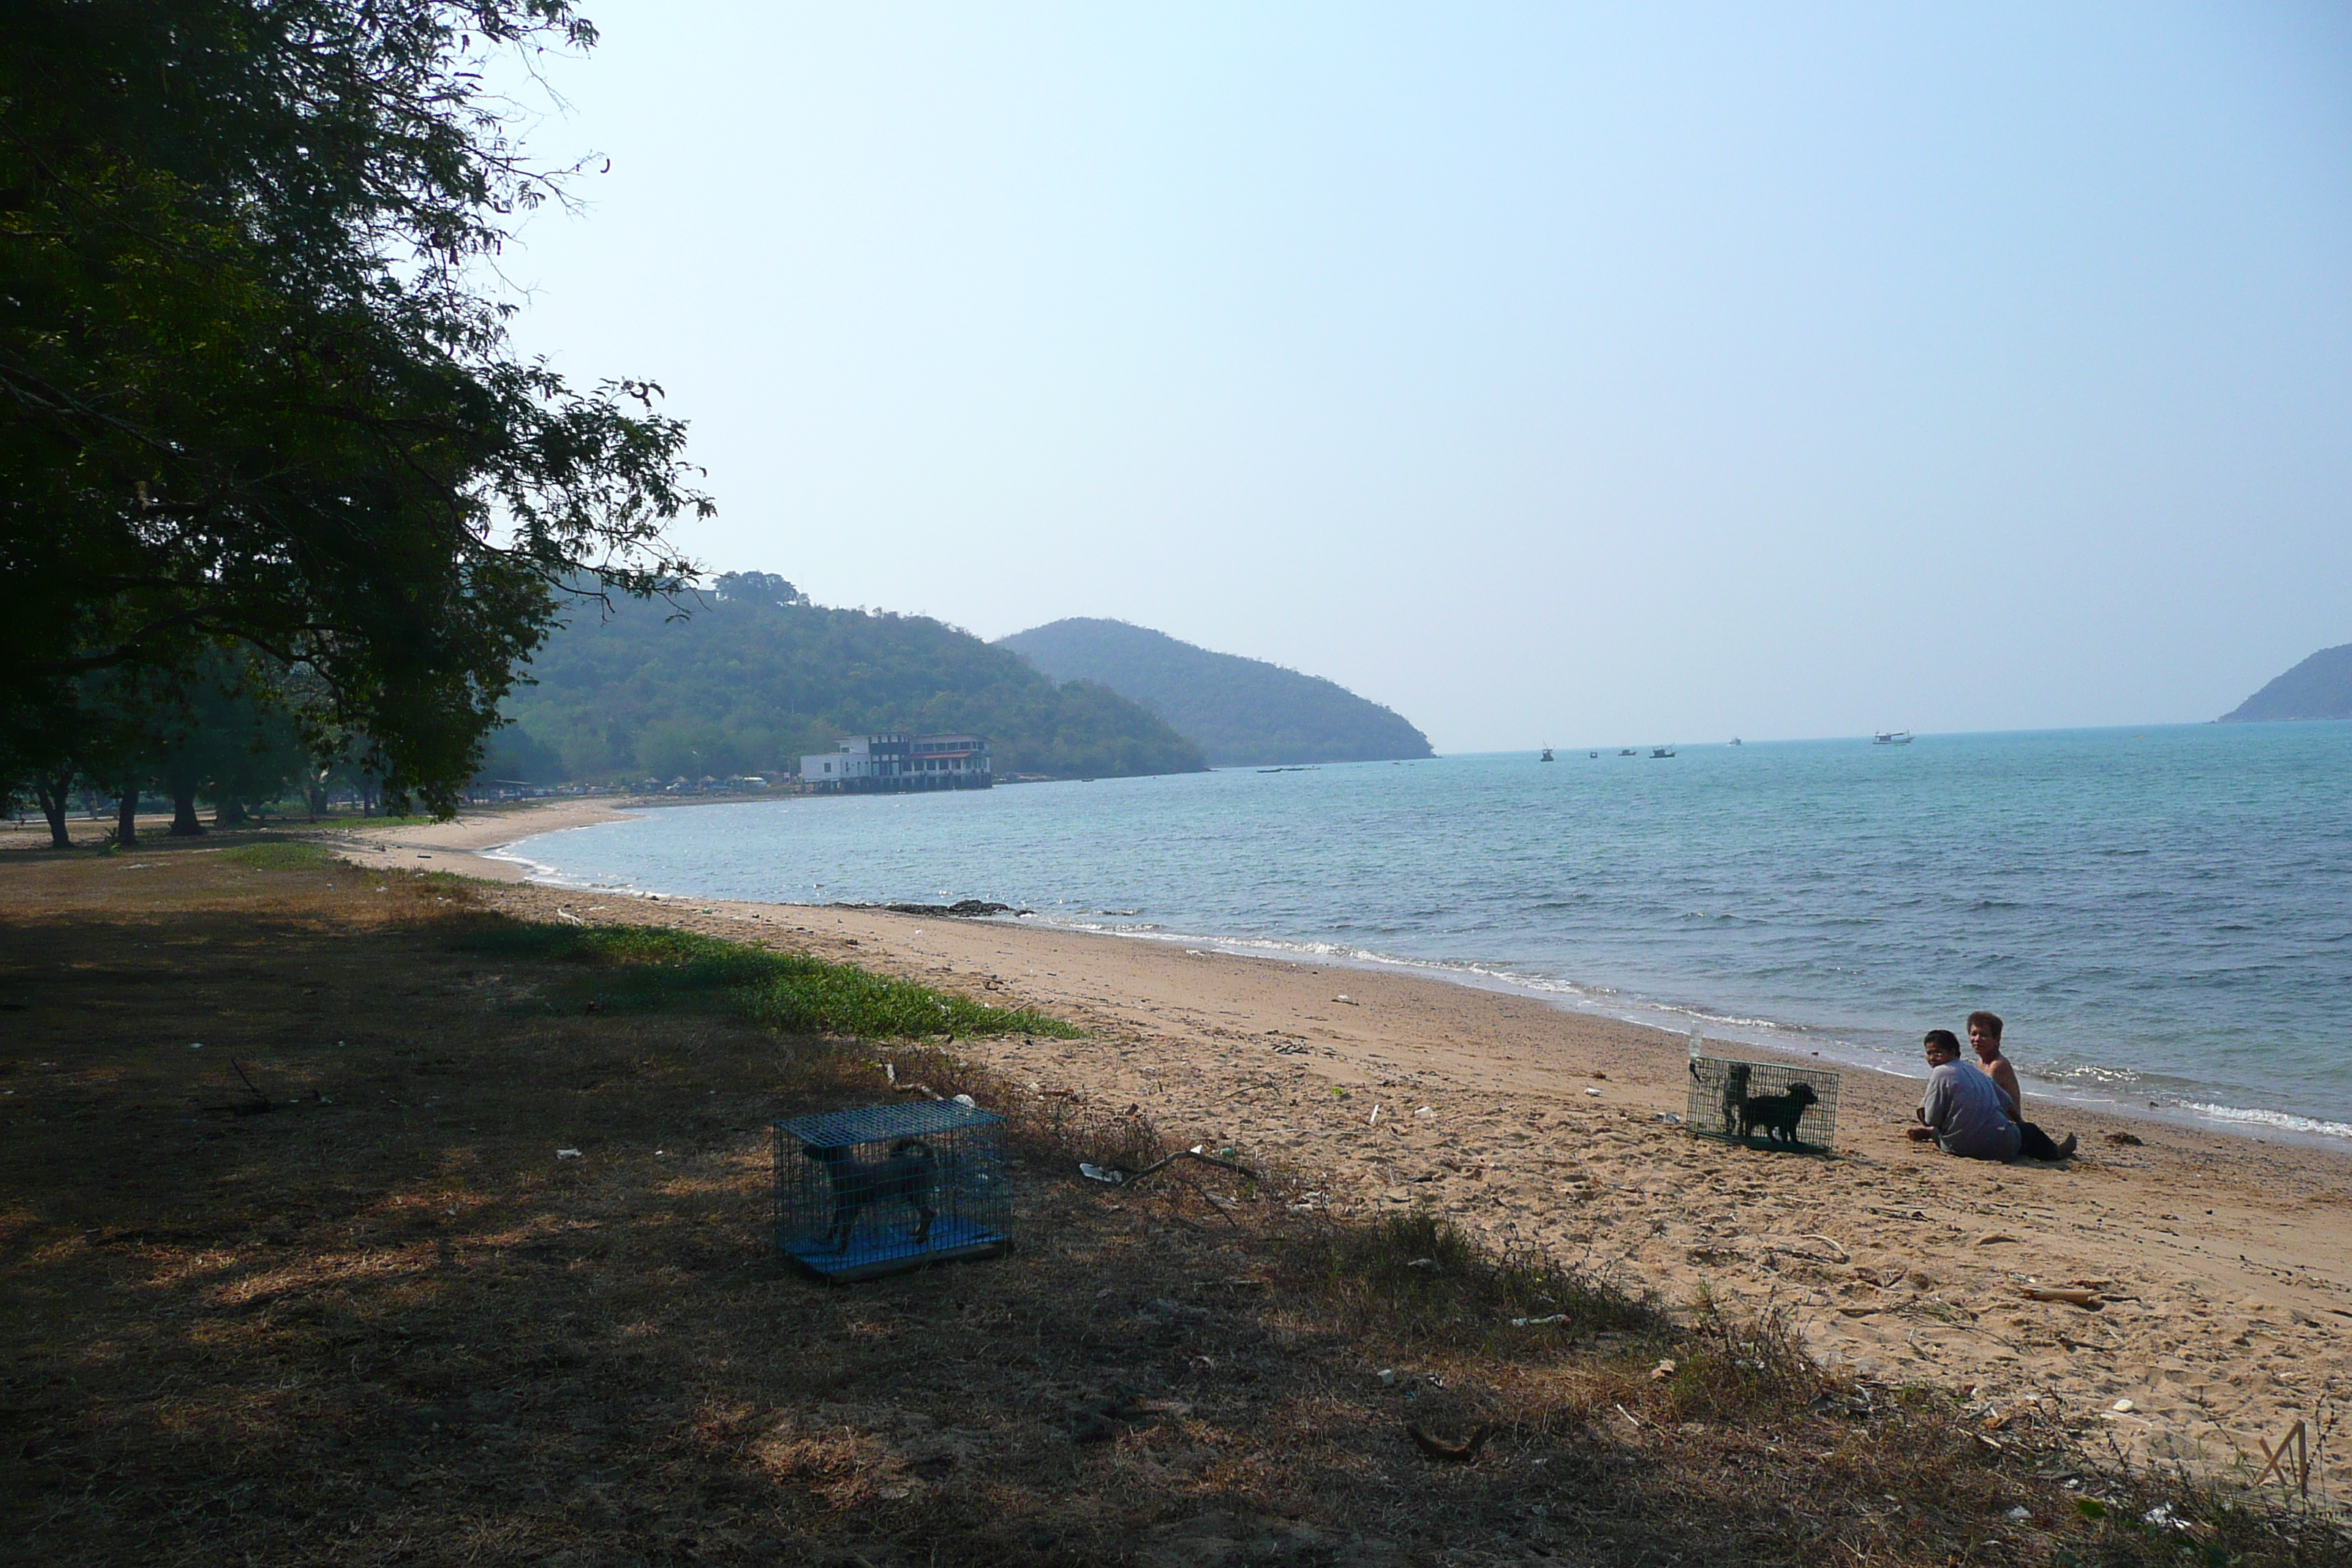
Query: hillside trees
[1241, 712]
[253, 396]
[759, 676]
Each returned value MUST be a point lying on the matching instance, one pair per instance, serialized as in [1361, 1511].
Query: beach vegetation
[1738, 1360]
[639, 969]
[275, 856]
[1422, 1278]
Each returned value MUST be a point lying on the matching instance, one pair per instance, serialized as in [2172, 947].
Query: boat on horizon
[1662, 751]
[1547, 756]
[1735, 740]
[1891, 738]
[1629, 751]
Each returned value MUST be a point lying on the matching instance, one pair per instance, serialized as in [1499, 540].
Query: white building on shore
[878, 763]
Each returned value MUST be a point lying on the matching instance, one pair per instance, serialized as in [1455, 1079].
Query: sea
[2162, 915]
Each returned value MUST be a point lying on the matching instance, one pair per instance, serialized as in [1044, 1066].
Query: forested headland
[2318, 687]
[1241, 711]
[755, 676]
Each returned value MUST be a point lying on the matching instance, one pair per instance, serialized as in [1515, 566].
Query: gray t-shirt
[1968, 1114]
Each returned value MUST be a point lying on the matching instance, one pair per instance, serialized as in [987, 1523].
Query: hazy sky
[1551, 375]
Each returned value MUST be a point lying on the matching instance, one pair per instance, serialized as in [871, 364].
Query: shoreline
[2220, 1264]
[479, 840]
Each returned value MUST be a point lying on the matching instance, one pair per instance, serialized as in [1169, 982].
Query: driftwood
[1159, 1165]
[1122, 1178]
[1460, 1453]
[2072, 1295]
[2295, 1448]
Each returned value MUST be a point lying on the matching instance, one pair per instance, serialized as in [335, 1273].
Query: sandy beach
[457, 845]
[2217, 1268]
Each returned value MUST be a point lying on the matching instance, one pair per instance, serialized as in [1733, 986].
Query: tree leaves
[253, 393]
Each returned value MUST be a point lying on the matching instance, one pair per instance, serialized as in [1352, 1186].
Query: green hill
[1239, 710]
[2318, 687]
[757, 676]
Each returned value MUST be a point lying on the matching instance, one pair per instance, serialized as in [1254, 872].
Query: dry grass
[383, 1322]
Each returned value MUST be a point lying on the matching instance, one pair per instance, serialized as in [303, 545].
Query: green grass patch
[275, 856]
[650, 969]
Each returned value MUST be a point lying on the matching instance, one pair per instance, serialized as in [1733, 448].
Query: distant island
[2318, 687]
[1241, 711]
[755, 675]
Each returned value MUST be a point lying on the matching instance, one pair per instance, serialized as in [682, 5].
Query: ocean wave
[2284, 1121]
[534, 870]
[2085, 1074]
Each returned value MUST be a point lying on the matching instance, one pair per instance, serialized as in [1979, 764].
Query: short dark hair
[1987, 1023]
[1942, 1040]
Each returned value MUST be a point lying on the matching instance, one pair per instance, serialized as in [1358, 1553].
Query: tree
[232, 742]
[255, 393]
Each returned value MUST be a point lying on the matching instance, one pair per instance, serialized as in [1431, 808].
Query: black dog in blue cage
[909, 1174]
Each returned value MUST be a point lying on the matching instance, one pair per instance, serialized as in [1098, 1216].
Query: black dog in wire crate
[1794, 1107]
[867, 1192]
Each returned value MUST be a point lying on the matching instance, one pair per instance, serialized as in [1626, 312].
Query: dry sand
[2223, 1266]
[458, 843]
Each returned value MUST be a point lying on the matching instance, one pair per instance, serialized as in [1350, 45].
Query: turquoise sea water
[2162, 915]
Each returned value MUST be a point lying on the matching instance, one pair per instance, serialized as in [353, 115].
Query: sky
[1552, 375]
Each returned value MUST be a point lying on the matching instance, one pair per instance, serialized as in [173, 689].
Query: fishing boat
[1594, 753]
[1891, 738]
[1629, 751]
[1547, 756]
[1662, 751]
[1735, 740]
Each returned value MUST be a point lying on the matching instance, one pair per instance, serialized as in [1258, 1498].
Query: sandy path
[457, 845]
[2221, 1263]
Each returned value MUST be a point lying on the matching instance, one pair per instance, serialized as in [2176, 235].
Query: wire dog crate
[1763, 1105]
[861, 1192]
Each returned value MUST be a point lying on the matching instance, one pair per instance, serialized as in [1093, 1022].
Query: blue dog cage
[1765, 1105]
[861, 1192]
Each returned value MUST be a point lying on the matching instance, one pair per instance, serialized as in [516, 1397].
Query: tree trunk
[51, 793]
[126, 817]
[229, 811]
[184, 813]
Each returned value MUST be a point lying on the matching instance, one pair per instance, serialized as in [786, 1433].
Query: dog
[909, 1174]
[1735, 1095]
[1777, 1114]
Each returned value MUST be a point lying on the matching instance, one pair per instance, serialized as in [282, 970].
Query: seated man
[1963, 1111]
[1984, 1035]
